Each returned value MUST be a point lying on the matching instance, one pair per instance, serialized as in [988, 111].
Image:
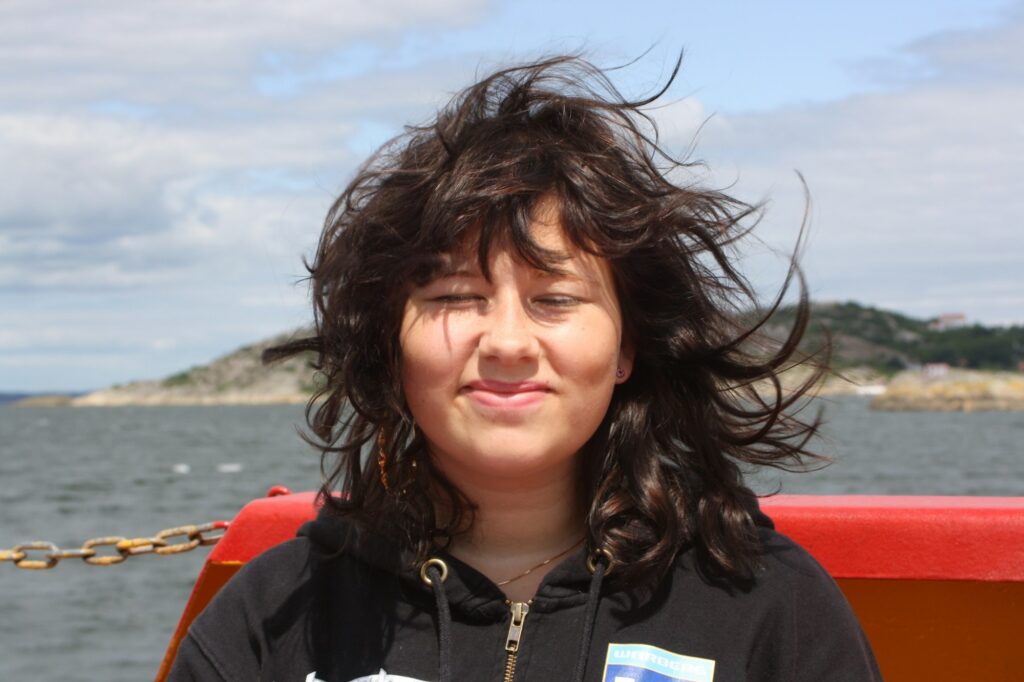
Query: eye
[557, 300]
[456, 299]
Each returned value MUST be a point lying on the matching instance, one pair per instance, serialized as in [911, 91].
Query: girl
[539, 390]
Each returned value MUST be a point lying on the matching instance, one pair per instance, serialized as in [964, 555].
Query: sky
[165, 166]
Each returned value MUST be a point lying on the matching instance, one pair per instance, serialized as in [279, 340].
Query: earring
[620, 373]
[382, 461]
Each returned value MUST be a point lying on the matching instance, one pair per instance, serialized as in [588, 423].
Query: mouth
[506, 395]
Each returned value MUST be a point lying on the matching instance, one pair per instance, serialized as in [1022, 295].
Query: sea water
[69, 474]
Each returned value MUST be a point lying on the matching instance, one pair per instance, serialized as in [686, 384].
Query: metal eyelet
[433, 561]
[592, 560]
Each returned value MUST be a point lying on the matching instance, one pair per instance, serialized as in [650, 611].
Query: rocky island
[238, 378]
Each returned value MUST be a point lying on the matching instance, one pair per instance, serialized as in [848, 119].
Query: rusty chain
[204, 534]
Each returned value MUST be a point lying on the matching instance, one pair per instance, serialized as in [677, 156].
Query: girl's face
[507, 379]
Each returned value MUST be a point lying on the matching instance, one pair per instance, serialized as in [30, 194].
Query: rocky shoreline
[921, 390]
[956, 390]
[151, 395]
[238, 378]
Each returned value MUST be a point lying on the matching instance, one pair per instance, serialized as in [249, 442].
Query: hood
[467, 592]
[470, 593]
[751, 503]
[464, 591]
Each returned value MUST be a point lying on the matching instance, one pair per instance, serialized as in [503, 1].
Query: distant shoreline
[37, 399]
[953, 390]
[917, 390]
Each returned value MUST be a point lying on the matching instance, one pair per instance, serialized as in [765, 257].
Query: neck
[519, 524]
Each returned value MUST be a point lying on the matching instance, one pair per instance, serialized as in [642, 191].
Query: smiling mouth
[501, 395]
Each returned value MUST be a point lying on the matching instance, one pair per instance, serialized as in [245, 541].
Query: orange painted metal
[260, 525]
[263, 523]
[909, 537]
[937, 582]
[940, 630]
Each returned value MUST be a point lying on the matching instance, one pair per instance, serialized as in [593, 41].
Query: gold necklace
[543, 563]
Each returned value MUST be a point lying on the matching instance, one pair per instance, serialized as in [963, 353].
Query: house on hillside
[948, 321]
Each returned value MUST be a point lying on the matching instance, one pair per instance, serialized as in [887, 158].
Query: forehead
[550, 253]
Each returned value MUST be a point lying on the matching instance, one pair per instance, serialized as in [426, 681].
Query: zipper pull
[515, 628]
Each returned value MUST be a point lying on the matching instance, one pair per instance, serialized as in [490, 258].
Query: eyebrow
[448, 271]
[450, 267]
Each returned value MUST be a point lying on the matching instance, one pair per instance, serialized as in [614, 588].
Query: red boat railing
[937, 582]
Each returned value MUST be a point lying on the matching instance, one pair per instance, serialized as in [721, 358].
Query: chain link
[194, 536]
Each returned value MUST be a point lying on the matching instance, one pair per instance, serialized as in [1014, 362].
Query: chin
[496, 459]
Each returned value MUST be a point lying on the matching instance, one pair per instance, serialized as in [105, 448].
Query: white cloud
[110, 107]
[914, 189]
[157, 202]
[188, 53]
[114, 202]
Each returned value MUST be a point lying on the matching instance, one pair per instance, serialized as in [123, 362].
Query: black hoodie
[338, 605]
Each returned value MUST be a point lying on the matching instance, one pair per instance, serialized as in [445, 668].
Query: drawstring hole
[596, 556]
[433, 562]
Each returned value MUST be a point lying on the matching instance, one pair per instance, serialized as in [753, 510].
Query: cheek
[590, 353]
[429, 358]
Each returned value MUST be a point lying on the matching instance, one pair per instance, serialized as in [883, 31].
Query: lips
[506, 395]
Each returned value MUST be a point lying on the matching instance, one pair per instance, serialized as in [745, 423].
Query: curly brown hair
[662, 471]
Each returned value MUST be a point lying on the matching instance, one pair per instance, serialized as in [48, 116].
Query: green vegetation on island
[889, 342]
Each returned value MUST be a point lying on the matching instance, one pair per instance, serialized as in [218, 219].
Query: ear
[625, 363]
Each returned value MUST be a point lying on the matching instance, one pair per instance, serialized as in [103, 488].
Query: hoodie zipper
[515, 634]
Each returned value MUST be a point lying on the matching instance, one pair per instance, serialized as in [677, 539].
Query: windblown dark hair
[663, 470]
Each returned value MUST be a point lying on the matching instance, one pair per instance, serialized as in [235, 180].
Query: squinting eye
[558, 301]
[454, 299]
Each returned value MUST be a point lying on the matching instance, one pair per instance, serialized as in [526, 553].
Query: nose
[508, 334]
